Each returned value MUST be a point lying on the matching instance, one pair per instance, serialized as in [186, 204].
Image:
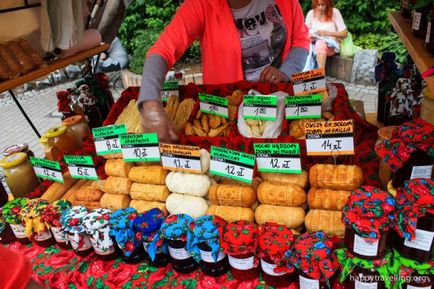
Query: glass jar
[108, 252]
[6, 234]
[61, 239]
[361, 278]
[209, 266]
[305, 282]
[77, 127]
[419, 282]
[384, 171]
[405, 9]
[243, 267]
[60, 138]
[161, 258]
[182, 261]
[357, 245]
[137, 256]
[419, 165]
[419, 22]
[281, 279]
[420, 249]
[20, 176]
[19, 232]
[86, 246]
[44, 238]
[18, 148]
[93, 116]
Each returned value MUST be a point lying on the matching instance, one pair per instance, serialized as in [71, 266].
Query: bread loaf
[232, 214]
[115, 202]
[185, 204]
[143, 206]
[281, 178]
[336, 177]
[232, 195]
[327, 221]
[99, 185]
[326, 199]
[147, 192]
[118, 168]
[89, 205]
[281, 194]
[70, 194]
[118, 186]
[153, 175]
[292, 217]
[190, 184]
[88, 195]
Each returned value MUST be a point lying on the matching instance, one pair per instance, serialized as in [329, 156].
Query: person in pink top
[324, 21]
[256, 40]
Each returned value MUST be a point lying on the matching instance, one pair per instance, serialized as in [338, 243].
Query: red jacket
[15, 269]
[212, 23]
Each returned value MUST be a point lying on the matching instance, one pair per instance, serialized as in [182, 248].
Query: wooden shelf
[415, 46]
[44, 70]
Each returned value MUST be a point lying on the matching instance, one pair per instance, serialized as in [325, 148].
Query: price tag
[46, 169]
[262, 107]
[329, 138]
[278, 157]
[169, 88]
[180, 158]
[107, 138]
[303, 106]
[140, 147]
[232, 164]
[309, 82]
[81, 167]
[214, 105]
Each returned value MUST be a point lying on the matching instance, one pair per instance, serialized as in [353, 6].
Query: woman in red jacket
[256, 40]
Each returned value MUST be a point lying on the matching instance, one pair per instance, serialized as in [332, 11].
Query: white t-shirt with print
[262, 35]
[336, 24]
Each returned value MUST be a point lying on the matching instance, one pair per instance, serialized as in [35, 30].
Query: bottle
[182, 261]
[419, 165]
[93, 116]
[209, 266]
[405, 9]
[357, 245]
[420, 21]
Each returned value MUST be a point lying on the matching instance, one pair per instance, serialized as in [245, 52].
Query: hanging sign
[107, 138]
[309, 82]
[140, 147]
[180, 158]
[46, 169]
[215, 105]
[260, 107]
[81, 167]
[278, 157]
[232, 164]
[303, 106]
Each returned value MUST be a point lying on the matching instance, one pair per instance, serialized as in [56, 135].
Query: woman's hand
[272, 75]
[156, 120]
[323, 33]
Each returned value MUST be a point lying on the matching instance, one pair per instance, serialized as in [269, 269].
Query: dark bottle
[182, 261]
[364, 278]
[357, 245]
[305, 282]
[161, 258]
[420, 249]
[419, 281]
[44, 238]
[429, 38]
[93, 116]
[419, 165]
[6, 234]
[405, 9]
[419, 22]
[209, 266]
[243, 267]
[281, 279]
[137, 256]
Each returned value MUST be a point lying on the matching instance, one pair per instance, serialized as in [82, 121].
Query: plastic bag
[348, 49]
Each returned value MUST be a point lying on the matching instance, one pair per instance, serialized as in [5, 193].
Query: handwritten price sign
[232, 164]
[303, 106]
[81, 167]
[214, 105]
[181, 158]
[278, 157]
[309, 82]
[46, 169]
[107, 138]
[140, 147]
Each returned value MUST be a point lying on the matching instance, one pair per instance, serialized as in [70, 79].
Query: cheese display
[186, 204]
[232, 195]
[187, 183]
[292, 217]
[152, 175]
[281, 194]
[336, 177]
[118, 168]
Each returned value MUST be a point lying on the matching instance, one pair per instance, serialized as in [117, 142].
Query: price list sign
[214, 105]
[140, 147]
[232, 164]
[309, 82]
[278, 157]
[81, 167]
[303, 106]
[180, 158]
[169, 88]
[107, 139]
[330, 138]
[46, 169]
[260, 107]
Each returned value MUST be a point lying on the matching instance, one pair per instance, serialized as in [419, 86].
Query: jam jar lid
[52, 212]
[12, 209]
[72, 220]
[13, 160]
[31, 214]
[72, 120]
[369, 211]
[274, 240]
[148, 223]
[240, 237]
[15, 148]
[55, 131]
[43, 140]
[121, 229]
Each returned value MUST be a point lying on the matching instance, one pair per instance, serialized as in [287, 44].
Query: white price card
[309, 82]
[180, 158]
[303, 106]
[46, 169]
[81, 167]
[278, 157]
[260, 107]
[107, 138]
[232, 164]
[215, 105]
[140, 147]
[331, 138]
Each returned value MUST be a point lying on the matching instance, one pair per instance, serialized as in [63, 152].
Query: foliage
[383, 42]
[143, 40]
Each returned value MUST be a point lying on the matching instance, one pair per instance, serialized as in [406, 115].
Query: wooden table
[415, 46]
[8, 85]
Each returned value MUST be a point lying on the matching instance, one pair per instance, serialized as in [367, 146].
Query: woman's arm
[340, 34]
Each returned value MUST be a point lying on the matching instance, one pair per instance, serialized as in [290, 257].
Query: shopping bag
[348, 49]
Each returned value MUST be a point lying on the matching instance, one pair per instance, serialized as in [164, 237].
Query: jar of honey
[239, 242]
[61, 139]
[11, 212]
[77, 127]
[96, 225]
[20, 176]
[72, 224]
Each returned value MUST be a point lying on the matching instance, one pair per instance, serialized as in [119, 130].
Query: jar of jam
[209, 266]
[419, 165]
[417, 281]
[384, 171]
[18, 148]
[361, 248]
[60, 237]
[136, 256]
[182, 261]
[80, 243]
[72, 224]
[60, 138]
[420, 21]
[20, 176]
[43, 238]
[77, 127]
[32, 214]
[361, 278]
[11, 214]
[275, 279]
[6, 234]
[20, 233]
[51, 217]
[405, 9]
[161, 257]
[305, 282]
[239, 242]
[96, 225]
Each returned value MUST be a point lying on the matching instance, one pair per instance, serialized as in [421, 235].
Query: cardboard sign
[140, 147]
[181, 158]
[232, 164]
[260, 107]
[46, 169]
[107, 138]
[169, 88]
[309, 82]
[303, 106]
[215, 105]
[81, 167]
[278, 157]
[330, 138]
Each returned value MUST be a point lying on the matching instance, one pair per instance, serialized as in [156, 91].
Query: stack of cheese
[117, 186]
[188, 190]
[283, 199]
[331, 186]
[148, 189]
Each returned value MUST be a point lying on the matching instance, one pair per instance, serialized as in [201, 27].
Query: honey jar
[77, 127]
[59, 137]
